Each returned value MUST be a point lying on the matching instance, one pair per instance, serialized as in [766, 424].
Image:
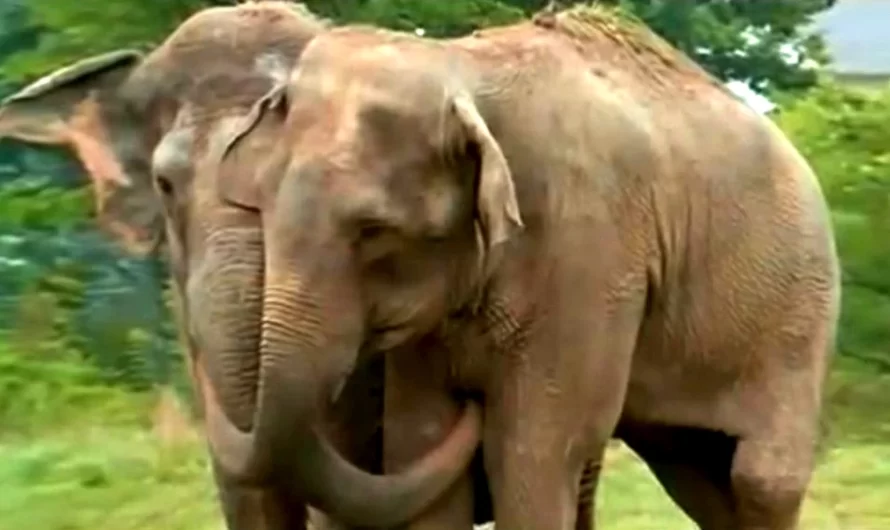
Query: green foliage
[437, 18]
[15, 34]
[68, 30]
[49, 322]
[78, 453]
[718, 34]
[714, 32]
[108, 478]
[32, 203]
[736, 39]
[39, 392]
[843, 133]
[56, 284]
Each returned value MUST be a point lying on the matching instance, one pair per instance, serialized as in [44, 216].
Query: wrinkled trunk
[308, 342]
[227, 314]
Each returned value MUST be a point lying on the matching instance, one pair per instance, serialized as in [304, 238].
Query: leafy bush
[65, 288]
[38, 392]
[844, 134]
[33, 203]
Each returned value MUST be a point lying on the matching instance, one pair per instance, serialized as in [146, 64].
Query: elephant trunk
[310, 335]
[226, 316]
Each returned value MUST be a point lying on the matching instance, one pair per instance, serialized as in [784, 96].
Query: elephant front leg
[258, 508]
[535, 482]
[548, 419]
[418, 413]
[590, 477]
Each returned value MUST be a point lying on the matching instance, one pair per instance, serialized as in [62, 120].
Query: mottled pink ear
[496, 204]
[70, 108]
[249, 146]
[40, 112]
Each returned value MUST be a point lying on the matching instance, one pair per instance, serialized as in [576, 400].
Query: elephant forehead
[354, 119]
[371, 66]
[174, 151]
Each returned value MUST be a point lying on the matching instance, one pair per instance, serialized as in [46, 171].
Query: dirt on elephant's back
[615, 37]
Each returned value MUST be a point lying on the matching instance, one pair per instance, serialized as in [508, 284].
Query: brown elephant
[124, 114]
[575, 224]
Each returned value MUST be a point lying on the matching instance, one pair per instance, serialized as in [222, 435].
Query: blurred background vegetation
[93, 431]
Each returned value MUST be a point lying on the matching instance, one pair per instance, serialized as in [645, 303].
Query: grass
[850, 491]
[104, 470]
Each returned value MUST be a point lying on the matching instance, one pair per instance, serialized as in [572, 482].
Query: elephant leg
[534, 484]
[552, 406]
[590, 477]
[537, 455]
[419, 412]
[773, 461]
[770, 474]
[258, 508]
[693, 466]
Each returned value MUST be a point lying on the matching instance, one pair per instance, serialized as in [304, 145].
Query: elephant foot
[723, 483]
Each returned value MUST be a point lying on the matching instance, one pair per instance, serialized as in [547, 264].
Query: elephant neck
[476, 341]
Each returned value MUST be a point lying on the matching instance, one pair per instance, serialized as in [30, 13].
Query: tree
[435, 17]
[744, 40]
[17, 36]
[758, 42]
[761, 43]
[68, 30]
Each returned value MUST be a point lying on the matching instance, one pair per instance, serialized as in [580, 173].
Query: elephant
[567, 220]
[124, 112]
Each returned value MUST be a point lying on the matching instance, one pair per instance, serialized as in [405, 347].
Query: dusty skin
[132, 119]
[569, 221]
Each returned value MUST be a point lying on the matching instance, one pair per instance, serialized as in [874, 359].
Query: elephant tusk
[338, 389]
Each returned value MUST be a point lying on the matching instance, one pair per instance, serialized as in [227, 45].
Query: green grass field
[114, 473]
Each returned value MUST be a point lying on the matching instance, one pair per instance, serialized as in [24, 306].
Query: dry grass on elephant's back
[613, 37]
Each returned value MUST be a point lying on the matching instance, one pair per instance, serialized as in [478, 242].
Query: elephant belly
[682, 391]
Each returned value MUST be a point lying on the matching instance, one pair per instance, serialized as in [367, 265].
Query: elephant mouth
[383, 338]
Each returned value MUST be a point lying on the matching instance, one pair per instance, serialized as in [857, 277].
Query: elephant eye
[164, 185]
[371, 230]
[375, 240]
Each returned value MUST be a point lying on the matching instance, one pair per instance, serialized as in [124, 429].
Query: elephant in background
[126, 115]
[549, 215]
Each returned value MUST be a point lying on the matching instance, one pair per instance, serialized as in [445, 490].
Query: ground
[118, 474]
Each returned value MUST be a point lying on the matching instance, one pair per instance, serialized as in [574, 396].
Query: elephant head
[385, 202]
[150, 130]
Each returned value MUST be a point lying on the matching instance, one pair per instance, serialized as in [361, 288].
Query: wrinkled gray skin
[551, 214]
[143, 124]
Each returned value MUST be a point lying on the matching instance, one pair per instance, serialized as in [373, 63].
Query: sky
[749, 96]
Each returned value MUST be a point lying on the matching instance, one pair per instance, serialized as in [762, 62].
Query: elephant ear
[79, 108]
[249, 146]
[41, 112]
[497, 209]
